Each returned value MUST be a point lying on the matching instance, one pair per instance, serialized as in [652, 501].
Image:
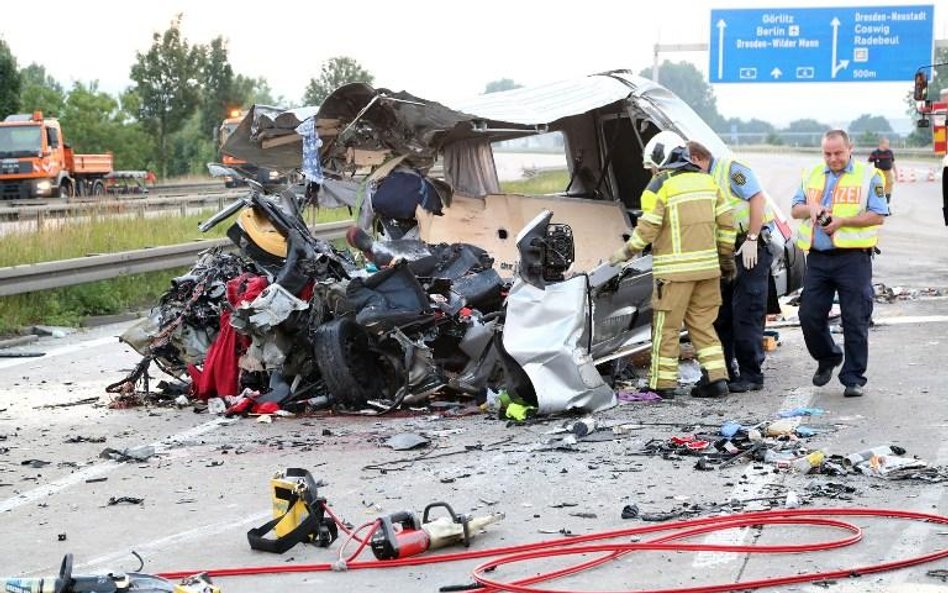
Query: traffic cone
[901, 176]
[912, 176]
[931, 174]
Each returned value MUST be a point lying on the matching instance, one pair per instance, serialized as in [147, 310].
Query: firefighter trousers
[694, 303]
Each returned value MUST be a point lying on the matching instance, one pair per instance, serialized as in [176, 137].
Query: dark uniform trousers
[849, 273]
[740, 322]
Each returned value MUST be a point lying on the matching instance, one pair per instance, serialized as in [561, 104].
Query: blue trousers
[848, 272]
[740, 322]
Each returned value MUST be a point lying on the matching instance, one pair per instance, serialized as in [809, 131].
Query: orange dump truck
[36, 162]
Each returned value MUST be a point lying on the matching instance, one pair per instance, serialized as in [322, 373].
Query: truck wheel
[353, 371]
[65, 189]
[98, 188]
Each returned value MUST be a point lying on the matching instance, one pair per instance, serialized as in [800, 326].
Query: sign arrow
[721, 26]
[776, 72]
[836, 66]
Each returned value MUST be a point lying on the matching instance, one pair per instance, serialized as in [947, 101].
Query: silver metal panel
[543, 332]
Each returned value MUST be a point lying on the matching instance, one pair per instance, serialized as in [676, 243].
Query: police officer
[884, 159]
[740, 322]
[690, 229]
[842, 204]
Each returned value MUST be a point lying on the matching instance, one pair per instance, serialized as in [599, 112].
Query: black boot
[706, 388]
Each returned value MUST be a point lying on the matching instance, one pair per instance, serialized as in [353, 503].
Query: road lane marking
[753, 488]
[100, 469]
[911, 319]
[83, 345]
[147, 549]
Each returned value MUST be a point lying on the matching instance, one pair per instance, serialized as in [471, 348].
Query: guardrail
[69, 272]
[138, 203]
[192, 187]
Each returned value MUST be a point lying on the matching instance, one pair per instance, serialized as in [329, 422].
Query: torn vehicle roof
[380, 119]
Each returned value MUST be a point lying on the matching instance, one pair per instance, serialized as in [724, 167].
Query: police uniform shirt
[882, 159]
[822, 241]
[743, 181]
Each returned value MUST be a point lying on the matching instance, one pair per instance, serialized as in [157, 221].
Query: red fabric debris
[266, 408]
[220, 374]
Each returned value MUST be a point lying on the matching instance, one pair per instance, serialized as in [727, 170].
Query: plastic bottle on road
[808, 462]
[857, 458]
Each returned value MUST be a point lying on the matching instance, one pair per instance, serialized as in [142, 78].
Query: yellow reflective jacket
[721, 171]
[688, 227]
[850, 198]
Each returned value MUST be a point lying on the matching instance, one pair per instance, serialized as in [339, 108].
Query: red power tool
[401, 534]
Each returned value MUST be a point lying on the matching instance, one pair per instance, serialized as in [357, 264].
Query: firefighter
[689, 225]
[842, 204]
[740, 322]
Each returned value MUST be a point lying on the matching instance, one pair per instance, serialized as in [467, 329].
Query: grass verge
[68, 238]
[71, 305]
[60, 239]
[545, 182]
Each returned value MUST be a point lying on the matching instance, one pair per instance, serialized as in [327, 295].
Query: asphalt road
[209, 483]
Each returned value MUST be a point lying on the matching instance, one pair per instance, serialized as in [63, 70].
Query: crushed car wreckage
[465, 289]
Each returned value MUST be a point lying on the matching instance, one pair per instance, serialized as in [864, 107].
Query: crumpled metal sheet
[191, 343]
[544, 333]
[270, 308]
[260, 319]
[264, 123]
[420, 127]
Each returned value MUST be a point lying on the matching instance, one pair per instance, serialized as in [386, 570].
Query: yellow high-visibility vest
[850, 198]
[721, 171]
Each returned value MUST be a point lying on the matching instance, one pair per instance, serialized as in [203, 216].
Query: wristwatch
[751, 236]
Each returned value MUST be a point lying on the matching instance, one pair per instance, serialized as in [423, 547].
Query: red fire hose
[670, 542]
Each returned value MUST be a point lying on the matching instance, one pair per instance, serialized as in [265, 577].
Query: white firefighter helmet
[659, 148]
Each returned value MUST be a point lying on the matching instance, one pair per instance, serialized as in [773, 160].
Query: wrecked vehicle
[294, 319]
[601, 124]
[478, 289]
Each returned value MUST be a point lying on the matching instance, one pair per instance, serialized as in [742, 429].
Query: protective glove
[621, 255]
[748, 253]
[728, 267]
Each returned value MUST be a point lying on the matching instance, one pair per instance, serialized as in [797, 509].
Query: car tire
[351, 368]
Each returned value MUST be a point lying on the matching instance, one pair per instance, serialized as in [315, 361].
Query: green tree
[9, 81]
[94, 121]
[166, 81]
[334, 73]
[753, 131]
[504, 84]
[804, 132]
[868, 129]
[191, 148]
[88, 119]
[870, 123]
[257, 91]
[136, 147]
[223, 90]
[686, 81]
[40, 91]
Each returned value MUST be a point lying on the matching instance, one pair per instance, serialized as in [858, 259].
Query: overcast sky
[442, 50]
